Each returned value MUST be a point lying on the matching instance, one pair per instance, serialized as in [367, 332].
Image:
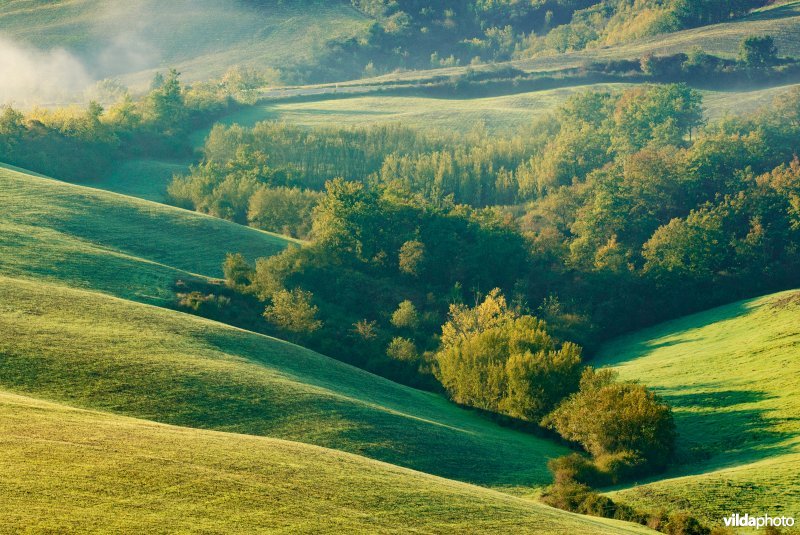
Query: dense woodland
[81, 144]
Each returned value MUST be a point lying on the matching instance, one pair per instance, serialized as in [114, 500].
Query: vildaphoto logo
[763, 521]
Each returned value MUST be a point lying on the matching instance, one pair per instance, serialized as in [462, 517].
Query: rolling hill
[97, 472]
[201, 38]
[94, 351]
[128, 247]
[501, 115]
[731, 375]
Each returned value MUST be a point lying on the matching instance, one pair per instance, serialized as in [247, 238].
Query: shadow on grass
[781, 12]
[665, 334]
[723, 428]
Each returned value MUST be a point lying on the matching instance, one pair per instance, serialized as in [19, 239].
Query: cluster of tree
[474, 169]
[81, 144]
[626, 208]
[416, 34]
[614, 21]
[380, 273]
[671, 225]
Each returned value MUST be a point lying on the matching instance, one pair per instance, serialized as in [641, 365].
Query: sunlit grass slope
[67, 470]
[125, 246]
[201, 38]
[502, 115]
[732, 375]
[96, 351]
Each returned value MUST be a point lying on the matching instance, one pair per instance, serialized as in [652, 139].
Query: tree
[758, 53]
[292, 311]
[166, 107]
[412, 257]
[237, 270]
[402, 349]
[495, 359]
[617, 423]
[406, 316]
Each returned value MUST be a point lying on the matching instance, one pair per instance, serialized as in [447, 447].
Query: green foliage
[412, 257]
[406, 316]
[237, 271]
[497, 360]
[80, 145]
[758, 53]
[284, 210]
[292, 311]
[402, 349]
[617, 419]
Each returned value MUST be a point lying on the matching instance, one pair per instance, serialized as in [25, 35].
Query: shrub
[682, 523]
[402, 349]
[622, 420]
[406, 316]
[495, 359]
[292, 311]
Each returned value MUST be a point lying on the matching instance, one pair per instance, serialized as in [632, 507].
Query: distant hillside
[307, 41]
[93, 351]
[69, 470]
[731, 374]
[202, 38]
[124, 246]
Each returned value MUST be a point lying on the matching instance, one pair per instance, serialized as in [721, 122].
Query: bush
[576, 467]
[494, 359]
[682, 523]
[402, 349]
[623, 425]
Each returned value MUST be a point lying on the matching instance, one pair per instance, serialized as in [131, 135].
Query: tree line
[82, 144]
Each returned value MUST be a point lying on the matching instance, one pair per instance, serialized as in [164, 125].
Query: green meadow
[121, 245]
[94, 351]
[731, 375]
[100, 473]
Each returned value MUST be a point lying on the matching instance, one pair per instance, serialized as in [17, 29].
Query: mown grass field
[732, 375]
[94, 351]
[96, 472]
[201, 38]
[128, 247]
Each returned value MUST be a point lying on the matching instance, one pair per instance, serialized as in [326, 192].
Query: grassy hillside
[124, 246]
[145, 179]
[202, 38]
[502, 115]
[90, 350]
[731, 374]
[69, 470]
